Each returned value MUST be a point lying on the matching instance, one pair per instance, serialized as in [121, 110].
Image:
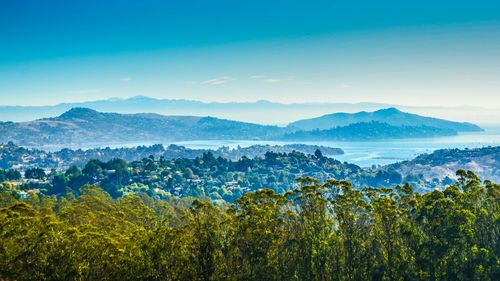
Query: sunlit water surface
[367, 153]
[363, 153]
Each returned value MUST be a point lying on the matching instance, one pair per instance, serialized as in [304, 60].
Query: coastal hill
[391, 116]
[87, 126]
[84, 127]
[368, 131]
[443, 163]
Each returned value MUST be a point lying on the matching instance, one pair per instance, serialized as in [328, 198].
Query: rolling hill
[86, 126]
[443, 163]
[373, 130]
[391, 116]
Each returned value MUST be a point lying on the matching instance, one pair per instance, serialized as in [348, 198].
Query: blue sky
[404, 52]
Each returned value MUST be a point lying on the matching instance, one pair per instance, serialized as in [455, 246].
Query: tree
[318, 231]
[258, 234]
[13, 175]
[35, 173]
[59, 184]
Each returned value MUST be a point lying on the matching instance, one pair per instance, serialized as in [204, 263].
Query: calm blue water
[377, 152]
[363, 153]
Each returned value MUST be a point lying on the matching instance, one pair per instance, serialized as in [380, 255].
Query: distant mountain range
[83, 127]
[391, 116]
[268, 112]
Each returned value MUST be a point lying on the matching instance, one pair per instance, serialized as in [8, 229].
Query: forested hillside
[183, 172]
[318, 231]
[442, 164]
[16, 157]
[370, 131]
[86, 127]
[391, 116]
[219, 179]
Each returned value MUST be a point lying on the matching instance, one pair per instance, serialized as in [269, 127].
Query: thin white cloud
[272, 80]
[344, 86]
[126, 79]
[84, 91]
[218, 80]
[267, 79]
[257, 77]
[300, 83]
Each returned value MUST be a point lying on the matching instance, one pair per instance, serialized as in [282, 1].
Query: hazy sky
[424, 52]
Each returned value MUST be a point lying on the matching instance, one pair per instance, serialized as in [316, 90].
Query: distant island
[391, 116]
[86, 127]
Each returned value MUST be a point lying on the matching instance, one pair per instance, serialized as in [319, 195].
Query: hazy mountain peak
[391, 116]
[79, 112]
[269, 112]
[262, 101]
[140, 97]
[388, 111]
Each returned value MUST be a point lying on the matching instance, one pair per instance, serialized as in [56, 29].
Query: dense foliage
[220, 179]
[12, 155]
[207, 176]
[318, 231]
[442, 163]
[445, 156]
[181, 170]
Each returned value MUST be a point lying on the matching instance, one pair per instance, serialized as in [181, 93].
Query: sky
[420, 53]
